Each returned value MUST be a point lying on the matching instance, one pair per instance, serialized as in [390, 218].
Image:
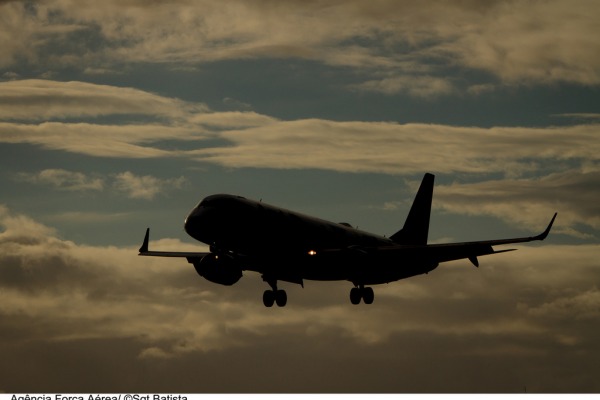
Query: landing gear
[281, 298]
[365, 293]
[274, 296]
[271, 297]
[355, 295]
[368, 295]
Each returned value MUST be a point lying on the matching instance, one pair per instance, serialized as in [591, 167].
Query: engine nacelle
[218, 269]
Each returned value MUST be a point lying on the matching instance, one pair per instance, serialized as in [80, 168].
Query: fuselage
[272, 239]
[234, 223]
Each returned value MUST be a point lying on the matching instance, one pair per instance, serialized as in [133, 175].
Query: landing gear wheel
[355, 295]
[269, 298]
[281, 298]
[365, 293]
[368, 295]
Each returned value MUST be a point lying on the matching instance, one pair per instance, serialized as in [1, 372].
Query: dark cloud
[518, 42]
[81, 318]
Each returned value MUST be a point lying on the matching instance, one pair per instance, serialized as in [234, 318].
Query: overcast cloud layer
[116, 116]
[542, 302]
[389, 37]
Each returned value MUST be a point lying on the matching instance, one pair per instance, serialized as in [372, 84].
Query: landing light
[312, 253]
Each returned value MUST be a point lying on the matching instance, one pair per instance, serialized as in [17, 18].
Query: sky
[121, 115]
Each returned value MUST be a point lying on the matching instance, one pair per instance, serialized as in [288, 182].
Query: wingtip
[144, 248]
[547, 231]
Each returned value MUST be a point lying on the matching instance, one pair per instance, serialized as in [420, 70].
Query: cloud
[572, 194]
[65, 180]
[257, 140]
[232, 119]
[401, 148]
[88, 217]
[10, 75]
[518, 42]
[416, 86]
[479, 89]
[24, 44]
[580, 116]
[249, 139]
[34, 100]
[519, 48]
[19, 227]
[514, 309]
[120, 141]
[146, 186]
[236, 104]
[567, 155]
[584, 305]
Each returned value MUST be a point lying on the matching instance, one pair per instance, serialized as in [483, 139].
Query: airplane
[287, 246]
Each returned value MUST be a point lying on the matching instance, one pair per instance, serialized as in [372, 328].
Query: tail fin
[416, 226]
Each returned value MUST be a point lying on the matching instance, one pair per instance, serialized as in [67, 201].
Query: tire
[268, 298]
[368, 295]
[281, 298]
[355, 295]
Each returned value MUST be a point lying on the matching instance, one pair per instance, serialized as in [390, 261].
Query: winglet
[544, 234]
[144, 248]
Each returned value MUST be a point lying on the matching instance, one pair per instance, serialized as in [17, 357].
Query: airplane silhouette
[282, 245]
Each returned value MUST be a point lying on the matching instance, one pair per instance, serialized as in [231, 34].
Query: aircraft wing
[470, 250]
[184, 254]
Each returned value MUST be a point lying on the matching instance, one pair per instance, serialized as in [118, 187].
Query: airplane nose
[192, 221]
[199, 223]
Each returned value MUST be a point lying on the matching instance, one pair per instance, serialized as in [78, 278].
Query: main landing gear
[361, 292]
[274, 296]
[271, 297]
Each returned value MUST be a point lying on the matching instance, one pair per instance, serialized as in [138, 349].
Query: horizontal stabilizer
[471, 250]
[190, 255]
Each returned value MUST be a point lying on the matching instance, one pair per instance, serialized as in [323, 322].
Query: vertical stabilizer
[416, 226]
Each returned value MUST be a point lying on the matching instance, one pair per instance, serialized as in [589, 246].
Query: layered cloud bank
[540, 303]
[564, 159]
[391, 40]
[403, 148]
[254, 140]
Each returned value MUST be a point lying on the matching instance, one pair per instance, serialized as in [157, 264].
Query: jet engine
[219, 269]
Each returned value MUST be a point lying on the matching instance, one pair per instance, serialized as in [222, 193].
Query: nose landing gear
[365, 293]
